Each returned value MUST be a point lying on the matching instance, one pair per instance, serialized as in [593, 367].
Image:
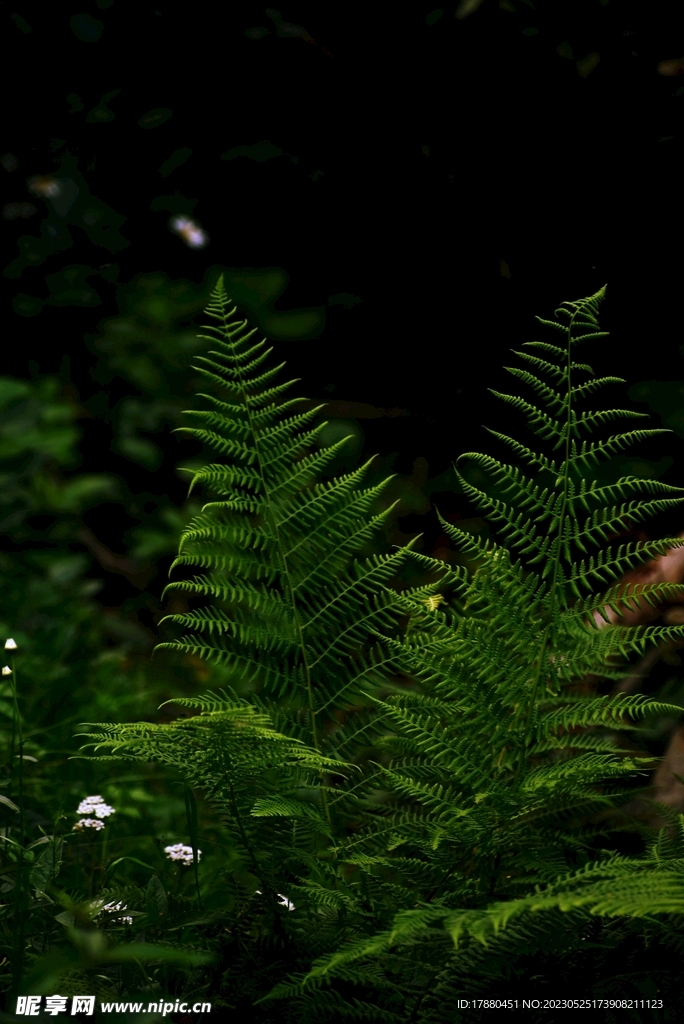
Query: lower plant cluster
[398, 798]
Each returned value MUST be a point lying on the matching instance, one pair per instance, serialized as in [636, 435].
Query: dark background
[417, 181]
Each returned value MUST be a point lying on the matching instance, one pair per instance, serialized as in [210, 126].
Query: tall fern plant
[277, 543]
[459, 838]
[292, 606]
[493, 831]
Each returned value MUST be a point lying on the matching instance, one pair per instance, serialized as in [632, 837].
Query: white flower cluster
[181, 852]
[113, 907]
[89, 823]
[93, 805]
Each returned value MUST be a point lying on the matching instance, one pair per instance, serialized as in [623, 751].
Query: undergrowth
[410, 801]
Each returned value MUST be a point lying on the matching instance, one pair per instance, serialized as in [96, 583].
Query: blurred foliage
[665, 398]
[76, 659]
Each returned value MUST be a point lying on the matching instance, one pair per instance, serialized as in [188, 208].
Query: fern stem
[495, 876]
[446, 876]
[421, 996]
[522, 761]
[274, 524]
[266, 886]
[241, 829]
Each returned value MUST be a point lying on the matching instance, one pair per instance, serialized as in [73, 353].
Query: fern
[491, 795]
[292, 606]
[288, 612]
[277, 545]
[415, 768]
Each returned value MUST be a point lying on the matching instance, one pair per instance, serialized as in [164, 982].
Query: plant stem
[495, 875]
[20, 889]
[288, 582]
[421, 997]
[103, 862]
[241, 829]
[541, 656]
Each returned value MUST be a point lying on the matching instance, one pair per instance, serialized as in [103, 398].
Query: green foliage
[75, 660]
[396, 793]
[44, 591]
[278, 543]
[414, 765]
[493, 792]
[292, 618]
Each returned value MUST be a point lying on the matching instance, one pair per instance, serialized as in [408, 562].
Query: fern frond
[491, 756]
[410, 757]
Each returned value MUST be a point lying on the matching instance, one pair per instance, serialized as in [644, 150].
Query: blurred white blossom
[191, 233]
[181, 852]
[44, 185]
[10, 644]
[89, 823]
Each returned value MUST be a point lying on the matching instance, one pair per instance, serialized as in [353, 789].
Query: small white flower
[113, 907]
[95, 805]
[90, 800]
[6, 670]
[89, 823]
[181, 853]
[10, 644]
[103, 810]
